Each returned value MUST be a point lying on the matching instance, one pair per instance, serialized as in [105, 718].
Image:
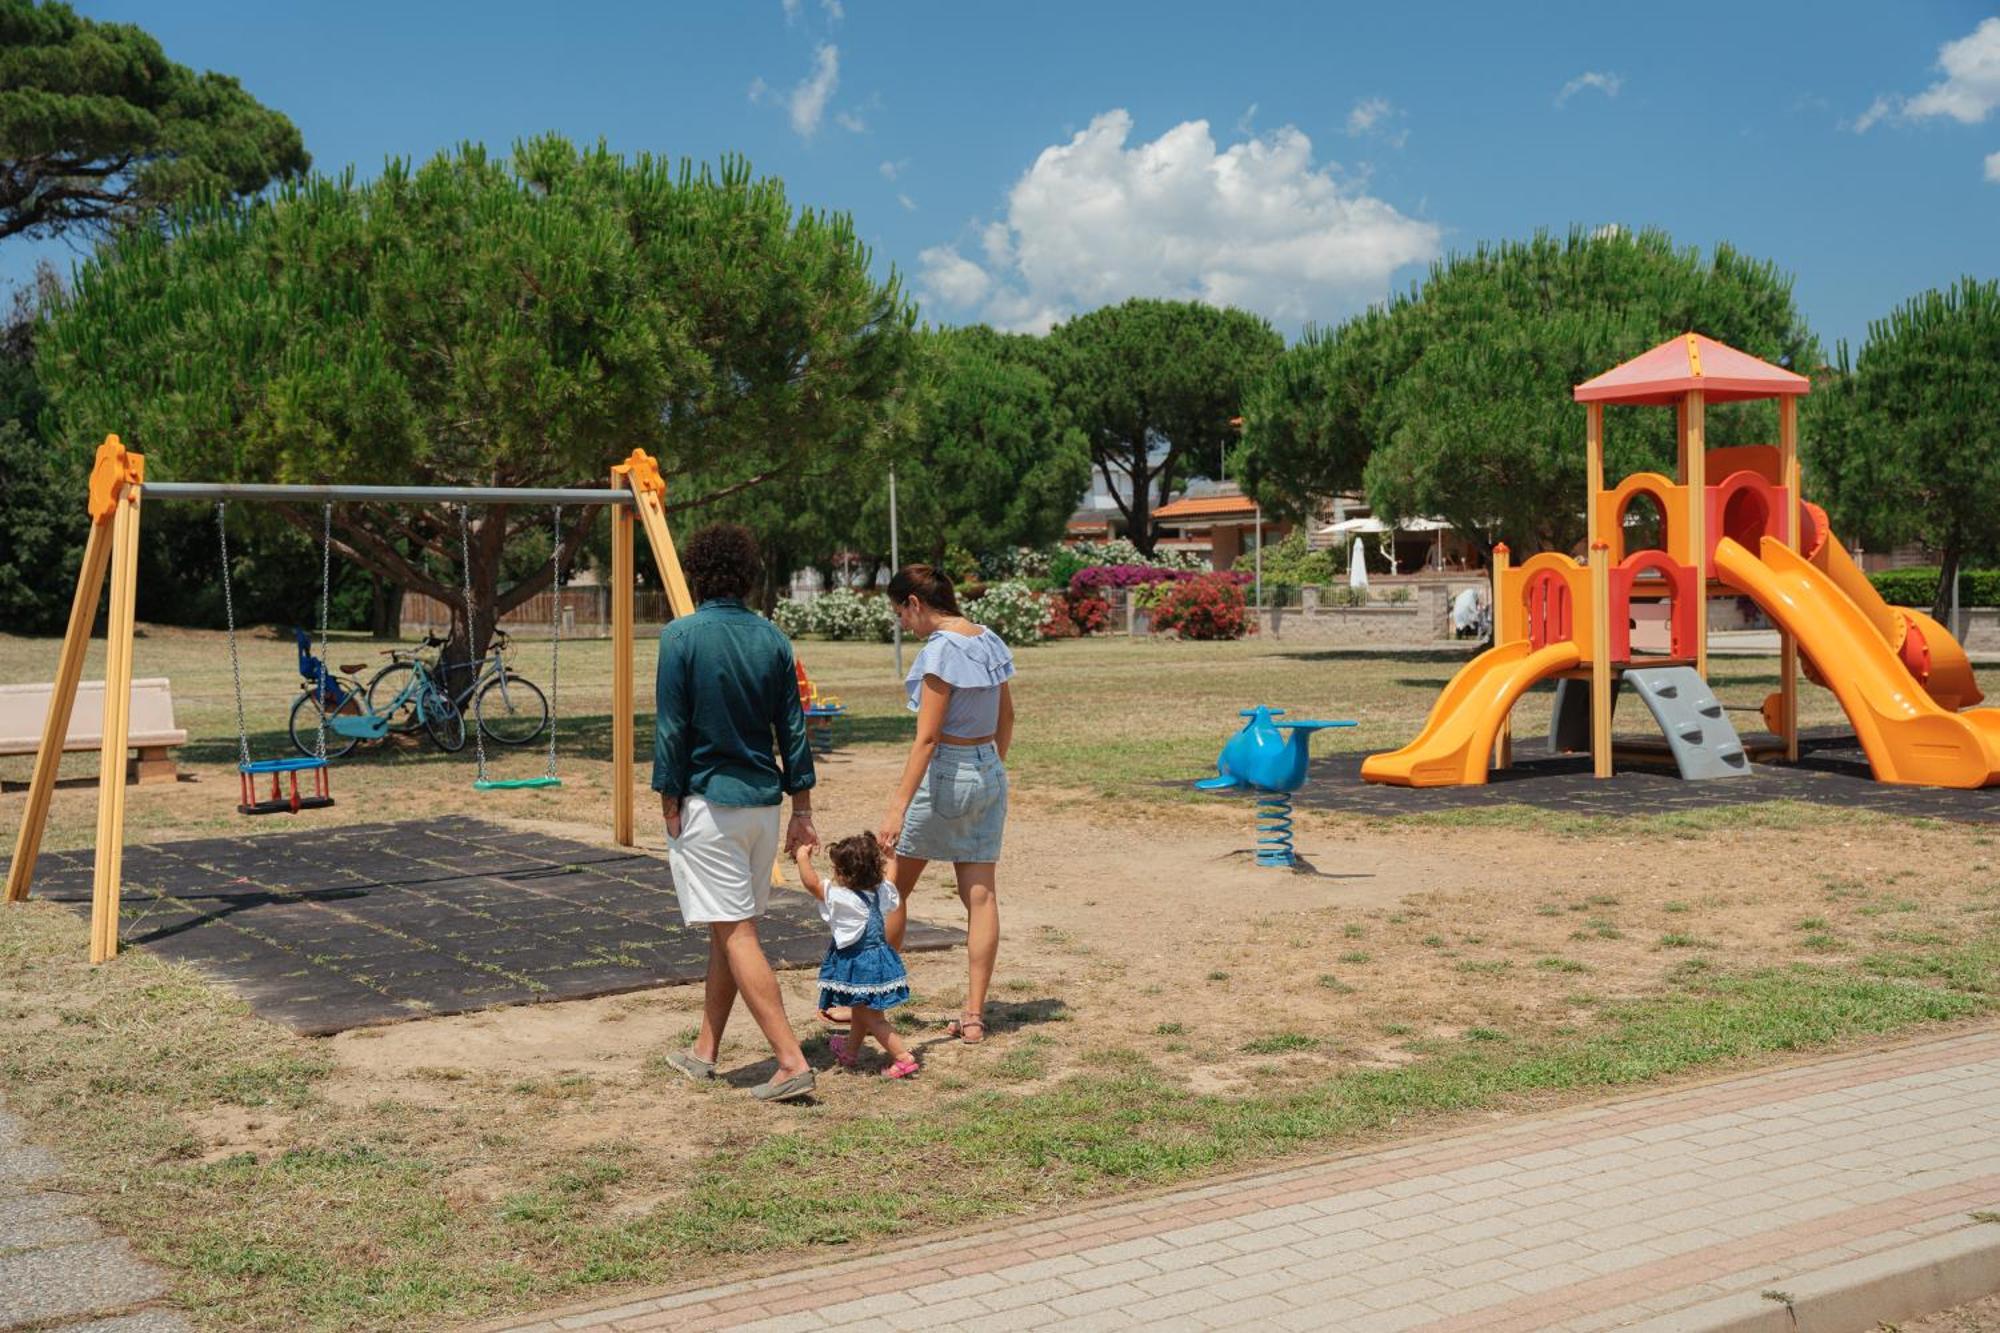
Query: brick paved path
[58, 1272]
[1851, 1180]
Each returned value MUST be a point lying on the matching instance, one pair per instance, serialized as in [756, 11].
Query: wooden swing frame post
[641, 476]
[117, 484]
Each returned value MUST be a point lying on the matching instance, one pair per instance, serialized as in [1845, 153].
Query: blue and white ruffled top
[975, 666]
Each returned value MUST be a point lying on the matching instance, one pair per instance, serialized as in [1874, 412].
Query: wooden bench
[24, 709]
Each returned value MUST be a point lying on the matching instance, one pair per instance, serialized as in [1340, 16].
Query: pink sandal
[844, 1055]
[906, 1067]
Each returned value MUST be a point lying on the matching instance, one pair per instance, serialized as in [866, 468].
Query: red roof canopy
[1691, 362]
[1209, 506]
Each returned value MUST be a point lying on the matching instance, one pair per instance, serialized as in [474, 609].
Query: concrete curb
[1905, 1282]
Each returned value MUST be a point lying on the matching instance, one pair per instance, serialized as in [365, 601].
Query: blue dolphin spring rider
[1264, 760]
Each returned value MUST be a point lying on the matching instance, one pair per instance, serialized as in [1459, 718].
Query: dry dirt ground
[1156, 932]
[1134, 923]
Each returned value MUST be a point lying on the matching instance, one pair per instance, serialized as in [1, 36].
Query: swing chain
[471, 665]
[325, 681]
[229, 619]
[555, 640]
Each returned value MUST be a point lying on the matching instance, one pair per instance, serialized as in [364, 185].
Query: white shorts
[722, 860]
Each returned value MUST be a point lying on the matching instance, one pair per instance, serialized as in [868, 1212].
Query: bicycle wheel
[511, 710]
[443, 721]
[306, 717]
[384, 688]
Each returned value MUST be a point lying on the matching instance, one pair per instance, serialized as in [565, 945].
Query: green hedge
[1916, 586]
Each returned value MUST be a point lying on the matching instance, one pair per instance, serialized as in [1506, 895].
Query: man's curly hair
[721, 560]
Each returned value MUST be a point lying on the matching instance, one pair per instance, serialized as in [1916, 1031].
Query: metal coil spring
[1274, 829]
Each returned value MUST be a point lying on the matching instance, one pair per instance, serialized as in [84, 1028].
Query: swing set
[637, 493]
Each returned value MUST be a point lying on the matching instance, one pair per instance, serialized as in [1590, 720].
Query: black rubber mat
[1831, 771]
[329, 929]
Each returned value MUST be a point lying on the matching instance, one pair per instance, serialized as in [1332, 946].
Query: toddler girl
[861, 971]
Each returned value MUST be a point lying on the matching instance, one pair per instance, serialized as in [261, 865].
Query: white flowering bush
[1013, 610]
[846, 614]
[793, 617]
[1122, 552]
[1016, 562]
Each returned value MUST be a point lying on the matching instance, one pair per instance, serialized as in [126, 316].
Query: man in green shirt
[729, 744]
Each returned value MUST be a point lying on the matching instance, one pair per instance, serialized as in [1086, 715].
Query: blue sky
[1021, 162]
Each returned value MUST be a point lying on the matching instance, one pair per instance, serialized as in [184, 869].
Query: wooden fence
[586, 613]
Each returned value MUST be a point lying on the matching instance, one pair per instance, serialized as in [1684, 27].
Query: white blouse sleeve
[843, 910]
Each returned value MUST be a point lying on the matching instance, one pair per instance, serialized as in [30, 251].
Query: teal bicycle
[512, 710]
[349, 712]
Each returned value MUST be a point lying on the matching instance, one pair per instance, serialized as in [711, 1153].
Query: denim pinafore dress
[867, 972]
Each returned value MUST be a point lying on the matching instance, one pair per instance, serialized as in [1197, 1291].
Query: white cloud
[850, 121]
[807, 103]
[1247, 122]
[891, 170]
[952, 278]
[835, 12]
[909, 204]
[1970, 88]
[759, 90]
[1602, 80]
[1372, 118]
[1367, 114]
[1877, 110]
[792, 8]
[1968, 92]
[1993, 168]
[1256, 225]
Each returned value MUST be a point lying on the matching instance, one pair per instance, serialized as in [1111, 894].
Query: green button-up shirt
[726, 698]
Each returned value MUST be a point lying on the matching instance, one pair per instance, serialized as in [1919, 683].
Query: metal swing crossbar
[636, 496]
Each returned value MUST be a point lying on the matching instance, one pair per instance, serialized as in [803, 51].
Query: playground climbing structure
[1899, 675]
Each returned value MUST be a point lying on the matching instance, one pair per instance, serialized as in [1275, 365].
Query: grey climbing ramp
[1698, 732]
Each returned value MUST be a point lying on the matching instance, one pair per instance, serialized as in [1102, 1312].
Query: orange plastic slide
[1948, 674]
[1456, 744]
[1908, 736]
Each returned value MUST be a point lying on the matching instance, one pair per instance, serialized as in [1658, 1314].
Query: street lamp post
[895, 562]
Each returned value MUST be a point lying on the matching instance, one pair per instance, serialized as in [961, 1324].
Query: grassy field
[1163, 1010]
[1111, 718]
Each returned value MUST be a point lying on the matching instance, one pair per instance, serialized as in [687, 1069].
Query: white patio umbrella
[1349, 526]
[1357, 565]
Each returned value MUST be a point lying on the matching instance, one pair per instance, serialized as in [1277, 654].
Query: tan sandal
[958, 1027]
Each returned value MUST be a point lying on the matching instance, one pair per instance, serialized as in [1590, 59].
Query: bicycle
[512, 710]
[349, 710]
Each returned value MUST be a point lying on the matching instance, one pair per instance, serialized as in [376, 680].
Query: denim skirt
[960, 808]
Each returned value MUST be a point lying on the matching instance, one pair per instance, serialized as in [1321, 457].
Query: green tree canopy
[474, 321]
[1454, 400]
[1903, 444]
[1155, 387]
[991, 461]
[98, 127]
[985, 460]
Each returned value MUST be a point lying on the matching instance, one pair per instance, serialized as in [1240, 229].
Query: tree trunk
[1141, 513]
[468, 643]
[1947, 576]
[385, 608]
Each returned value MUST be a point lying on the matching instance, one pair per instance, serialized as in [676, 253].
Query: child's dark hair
[857, 861]
[930, 586]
